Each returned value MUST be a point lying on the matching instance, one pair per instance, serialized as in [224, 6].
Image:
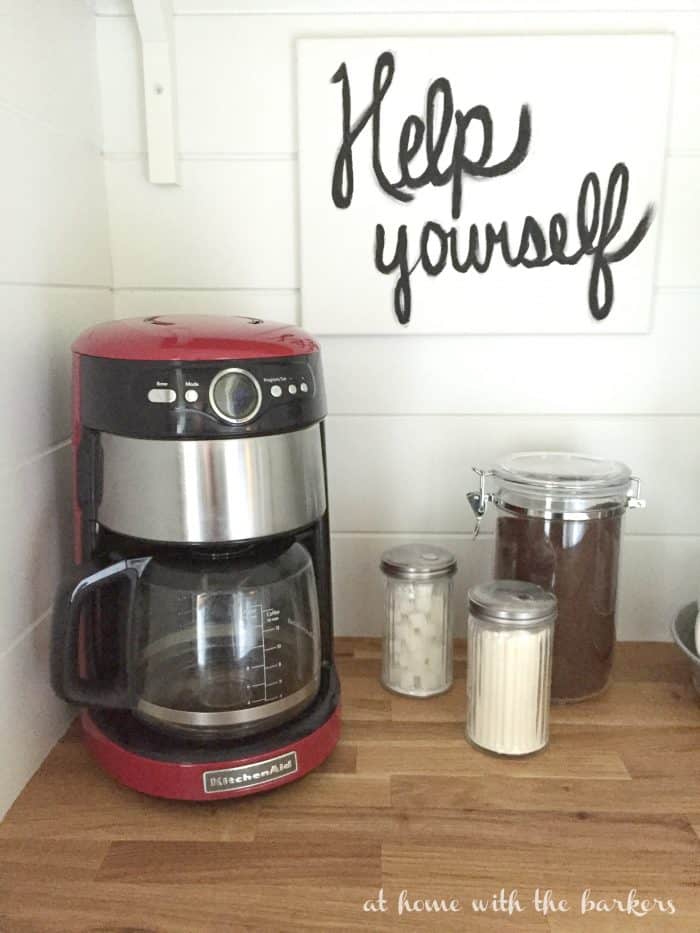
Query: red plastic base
[213, 780]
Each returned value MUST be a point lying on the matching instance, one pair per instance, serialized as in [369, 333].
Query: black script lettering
[558, 233]
[597, 228]
[492, 238]
[413, 133]
[532, 236]
[433, 267]
[402, 291]
[613, 216]
[479, 168]
[343, 184]
[440, 89]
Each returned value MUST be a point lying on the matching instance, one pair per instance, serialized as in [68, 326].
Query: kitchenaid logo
[260, 772]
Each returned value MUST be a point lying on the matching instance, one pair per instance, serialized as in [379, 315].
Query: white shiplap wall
[55, 280]
[410, 415]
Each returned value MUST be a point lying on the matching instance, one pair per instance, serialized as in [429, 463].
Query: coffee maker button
[304, 387]
[191, 395]
[292, 389]
[162, 395]
[276, 391]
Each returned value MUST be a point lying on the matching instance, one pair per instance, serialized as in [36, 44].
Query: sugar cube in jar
[417, 649]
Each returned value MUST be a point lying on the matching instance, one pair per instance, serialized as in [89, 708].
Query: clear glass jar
[417, 650]
[509, 666]
[559, 526]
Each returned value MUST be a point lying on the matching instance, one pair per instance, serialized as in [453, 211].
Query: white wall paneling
[44, 322]
[655, 374]
[32, 719]
[410, 473]
[55, 280]
[657, 578]
[680, 222]
[357, 7]
[48, 56]
[227, 225]
[120, 77]
[35, 516]
[53, 204]
[281, 305]
[236, 74]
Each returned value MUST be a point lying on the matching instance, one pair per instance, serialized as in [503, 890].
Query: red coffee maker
[196, 629]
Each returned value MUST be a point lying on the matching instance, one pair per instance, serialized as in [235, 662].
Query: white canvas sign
[481, 184]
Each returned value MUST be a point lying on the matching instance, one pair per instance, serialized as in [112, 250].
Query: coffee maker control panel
[201, 398]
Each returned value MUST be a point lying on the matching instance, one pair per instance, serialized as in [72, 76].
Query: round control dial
[235, 395]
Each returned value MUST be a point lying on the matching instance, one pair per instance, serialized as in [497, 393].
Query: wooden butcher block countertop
[404, 804]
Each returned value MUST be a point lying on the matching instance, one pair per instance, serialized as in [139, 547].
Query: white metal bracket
[154, 19]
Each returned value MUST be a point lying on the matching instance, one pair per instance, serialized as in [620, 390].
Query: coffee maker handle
[65, 636]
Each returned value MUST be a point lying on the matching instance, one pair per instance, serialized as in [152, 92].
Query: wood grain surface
[403, 804]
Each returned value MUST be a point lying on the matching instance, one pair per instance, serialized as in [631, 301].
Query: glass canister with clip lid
[417, 650]
[559, 525]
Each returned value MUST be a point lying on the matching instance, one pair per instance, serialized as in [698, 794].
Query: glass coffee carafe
[212, 644]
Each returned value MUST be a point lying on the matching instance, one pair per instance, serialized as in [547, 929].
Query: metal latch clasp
[479, 500]
[634, 500]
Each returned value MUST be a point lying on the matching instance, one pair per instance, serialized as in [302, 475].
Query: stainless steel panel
[230, 489]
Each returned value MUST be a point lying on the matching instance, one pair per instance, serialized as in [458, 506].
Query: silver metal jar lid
[418, 562]
[512, 601]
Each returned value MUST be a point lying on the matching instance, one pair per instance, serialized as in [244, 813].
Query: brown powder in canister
[578, 562]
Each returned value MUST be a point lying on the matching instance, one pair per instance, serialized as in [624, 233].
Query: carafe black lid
[197, 570]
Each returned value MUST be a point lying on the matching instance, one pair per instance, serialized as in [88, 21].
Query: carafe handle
[65, 636]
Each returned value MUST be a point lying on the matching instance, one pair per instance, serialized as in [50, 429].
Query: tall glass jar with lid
[417, 650]
[559, 525]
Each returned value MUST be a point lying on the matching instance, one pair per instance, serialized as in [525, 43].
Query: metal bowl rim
[691, 655]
